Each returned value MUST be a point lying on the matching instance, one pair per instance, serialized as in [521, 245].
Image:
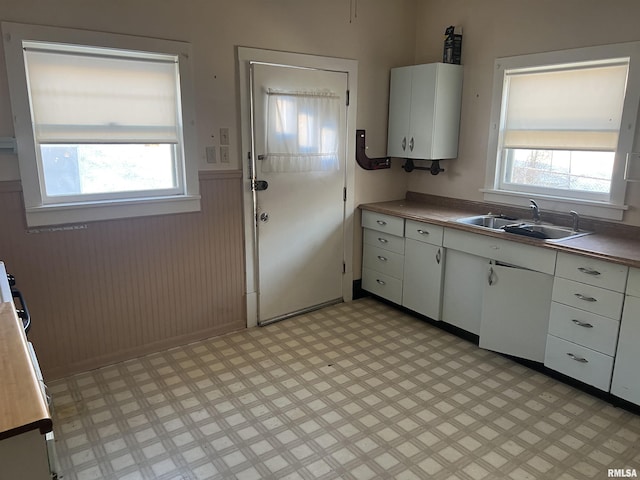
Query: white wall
[380, 35]
[498, 28]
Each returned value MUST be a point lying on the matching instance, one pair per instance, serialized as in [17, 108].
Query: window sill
[601, 210]
[59, 214]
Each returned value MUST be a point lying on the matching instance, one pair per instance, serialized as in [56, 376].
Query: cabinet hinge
[344, 194]
[347, 98]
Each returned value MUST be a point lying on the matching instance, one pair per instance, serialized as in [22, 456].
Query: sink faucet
[576, 220]
[535, 211]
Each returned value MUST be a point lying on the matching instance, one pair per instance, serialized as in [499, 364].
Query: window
[101, 124]
[557, 129]
[302, 131]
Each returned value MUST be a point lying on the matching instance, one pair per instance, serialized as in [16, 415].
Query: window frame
[614, 207]
[39, 210]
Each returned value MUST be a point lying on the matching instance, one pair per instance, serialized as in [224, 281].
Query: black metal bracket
[434, 168]
[361, 155]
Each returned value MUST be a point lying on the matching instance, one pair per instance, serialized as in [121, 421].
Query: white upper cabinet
[424, 111]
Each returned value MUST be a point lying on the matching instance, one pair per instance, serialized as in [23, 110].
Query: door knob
[264, 217]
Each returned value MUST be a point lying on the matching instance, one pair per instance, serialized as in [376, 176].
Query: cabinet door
[515, 312]
[464, 277]
[421, 123]
[422, 282]
[399, 112]
[626, 379]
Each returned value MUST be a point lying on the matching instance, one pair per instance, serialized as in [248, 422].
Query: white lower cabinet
[583, 323]
[424, 259]
[585, 319]
[25, 457]
[500, 290]
[464, 276]
[626, 373]
[383, 255]
[515, 311]
[407, 271]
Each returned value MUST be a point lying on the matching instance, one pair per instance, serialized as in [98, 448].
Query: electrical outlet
[211, 154]
[224, 154]
[224, 136]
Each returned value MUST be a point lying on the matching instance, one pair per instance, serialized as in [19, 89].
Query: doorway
[298, 198]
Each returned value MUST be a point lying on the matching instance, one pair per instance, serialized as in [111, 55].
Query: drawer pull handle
[585, 298]
[381, 258]
[380, 282]
[381, 222]
[577, 358]
[383, 240]
[589, 271]
[423, 232]
[582, 324]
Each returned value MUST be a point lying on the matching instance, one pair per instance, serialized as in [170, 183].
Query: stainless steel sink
[541, 231]
[544, 232]
[488, 221]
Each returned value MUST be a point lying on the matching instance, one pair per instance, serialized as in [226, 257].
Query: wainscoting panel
[121, 288]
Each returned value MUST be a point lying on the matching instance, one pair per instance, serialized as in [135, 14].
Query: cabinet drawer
[584, 328]
[384, 240]
[581, 363]
[383, 223]
[384, 261]
[424, 232]
[382, 285]
[506, 251]
[587, 297]
[633, 285]
[593, 272]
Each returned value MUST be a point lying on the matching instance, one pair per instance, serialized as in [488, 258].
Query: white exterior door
[299, 125]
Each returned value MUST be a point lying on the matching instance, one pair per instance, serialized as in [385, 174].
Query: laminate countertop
[22, 404]
[604, 246]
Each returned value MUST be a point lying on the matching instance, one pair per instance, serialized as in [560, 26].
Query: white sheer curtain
[302, 131]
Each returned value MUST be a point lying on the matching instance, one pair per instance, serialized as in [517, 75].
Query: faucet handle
[575, 217]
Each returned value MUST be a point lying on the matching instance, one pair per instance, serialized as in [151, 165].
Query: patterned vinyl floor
[354, 391]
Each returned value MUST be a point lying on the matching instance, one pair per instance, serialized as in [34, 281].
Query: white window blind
[88, 95]
[568, 108]
[302, 131]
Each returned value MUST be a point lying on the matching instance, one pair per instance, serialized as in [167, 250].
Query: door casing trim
[245, 57]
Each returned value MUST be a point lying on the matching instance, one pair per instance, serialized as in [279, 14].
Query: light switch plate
[224, 154]
[211, 154]
[224, 136]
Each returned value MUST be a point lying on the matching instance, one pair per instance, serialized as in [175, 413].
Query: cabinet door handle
[382, 223]
[381, 282]
[383, 240]
[438, 257]
[422, 232]
[490, 279]
[577, 358]
[381, 258]
[404, 144]
[589, 271]
[585, 298]
[411, 144]
[582, 324]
